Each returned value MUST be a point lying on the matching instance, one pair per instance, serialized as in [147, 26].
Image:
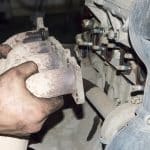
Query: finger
[26, 69]
[4, 50]
[50, 105]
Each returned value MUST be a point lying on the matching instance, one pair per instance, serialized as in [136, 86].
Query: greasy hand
[22, 113]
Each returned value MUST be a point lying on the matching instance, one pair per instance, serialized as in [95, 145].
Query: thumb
[26, 69]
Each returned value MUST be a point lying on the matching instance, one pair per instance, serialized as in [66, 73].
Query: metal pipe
[52, 83]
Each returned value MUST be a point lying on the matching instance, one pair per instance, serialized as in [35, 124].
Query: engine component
[59, 73]
[104, 49]
[117, 70]
[48, 55]
[107, 60]
[136, 135]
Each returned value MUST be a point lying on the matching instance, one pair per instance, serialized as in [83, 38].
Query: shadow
[78, 110]
[87, 85]
[58, 117]
[51, 122]
[30, 148]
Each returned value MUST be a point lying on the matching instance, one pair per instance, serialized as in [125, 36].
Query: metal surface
[107, 60]
[100, 101]
[136, 135]
[116, 120]
[48, 54]
[116, 68]
[110, 52]
[55, 82]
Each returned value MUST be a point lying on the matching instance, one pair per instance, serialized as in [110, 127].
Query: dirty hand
[22, 113]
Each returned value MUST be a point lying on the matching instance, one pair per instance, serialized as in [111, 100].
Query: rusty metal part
[48, 55]
[55, 82]
[59, 73]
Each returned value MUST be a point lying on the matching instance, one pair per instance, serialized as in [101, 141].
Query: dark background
[63, 25]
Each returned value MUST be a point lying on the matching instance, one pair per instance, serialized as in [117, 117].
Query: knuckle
[57, 104]
[20, 125]
[10, 76]
[32, 125]
[14, 72]
[5, 46]
[37, 115]
[33, 128]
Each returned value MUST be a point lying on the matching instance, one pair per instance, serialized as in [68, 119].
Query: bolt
[128, 56]
[111, 35]
[87, 24]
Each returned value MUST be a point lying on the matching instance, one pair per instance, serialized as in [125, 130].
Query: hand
[22, 113]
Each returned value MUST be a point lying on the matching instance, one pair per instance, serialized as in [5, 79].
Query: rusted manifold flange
[59, 73]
